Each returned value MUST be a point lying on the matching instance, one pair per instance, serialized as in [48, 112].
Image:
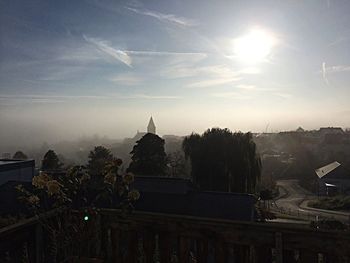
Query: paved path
[294, 201]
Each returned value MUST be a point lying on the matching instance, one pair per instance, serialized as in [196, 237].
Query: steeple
[151, 128]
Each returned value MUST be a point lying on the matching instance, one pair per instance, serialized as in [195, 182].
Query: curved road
[294, 201]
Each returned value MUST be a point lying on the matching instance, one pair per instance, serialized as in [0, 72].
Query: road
[293, 201]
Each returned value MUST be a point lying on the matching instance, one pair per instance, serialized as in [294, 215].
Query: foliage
[51, 161]
[76, 195]
[329, 224]
[98, 158]
[19, 155]
[332, 203]
[177, 164]
[148, 156]
[75, 189]
[223, 161]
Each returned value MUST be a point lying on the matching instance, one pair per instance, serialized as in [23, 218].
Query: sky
[77, 68]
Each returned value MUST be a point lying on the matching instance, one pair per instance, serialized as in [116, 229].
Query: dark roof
[163, 184]
[201, 204]
[341, 172]
[179, 196]
[11, 164]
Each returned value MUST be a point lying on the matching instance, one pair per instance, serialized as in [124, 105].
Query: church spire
[151, 128]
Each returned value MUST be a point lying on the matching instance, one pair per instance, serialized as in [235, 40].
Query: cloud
[165, 53]
[9, 100]
[324, 73]
[106, 48]
[211, 82]
[231, 95]
[151, 97]
[177, 20]
[246, 87]
[335, 69]
[126, 79]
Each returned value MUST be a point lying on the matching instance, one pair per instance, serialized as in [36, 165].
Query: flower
[110, 178]
[40, 180]
[53, 187]
[134, 195]
[128, 178]
[34, 200]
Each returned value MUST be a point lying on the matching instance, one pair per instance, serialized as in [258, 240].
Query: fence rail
[113, 236]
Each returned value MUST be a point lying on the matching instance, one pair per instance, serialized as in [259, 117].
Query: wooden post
[241, 253]
[279, 247]
[263, 254]
[308, 256]
[165, 247]
[115, 240]
[202, 250]
[288, 256]
[220, 251]
[132, 247]
[149, 246]
[184, 249]
[38, 243]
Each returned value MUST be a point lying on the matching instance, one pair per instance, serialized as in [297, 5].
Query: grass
[339, 202]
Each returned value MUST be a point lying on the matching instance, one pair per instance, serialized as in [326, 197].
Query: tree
[20, 156]
[223, 161]
[98, 158]
[51, 161]
[148, 156]
[178, 165]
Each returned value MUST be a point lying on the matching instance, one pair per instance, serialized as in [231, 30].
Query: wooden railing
[149, 237]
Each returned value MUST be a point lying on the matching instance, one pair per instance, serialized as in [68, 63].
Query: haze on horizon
[75, 68]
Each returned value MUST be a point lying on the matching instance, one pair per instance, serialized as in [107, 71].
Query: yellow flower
[53, 187]
[134, 195]
[33, 199]
[129, 178]
[110, 178]
[40, 180]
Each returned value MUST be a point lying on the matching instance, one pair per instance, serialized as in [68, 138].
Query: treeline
[217, 160]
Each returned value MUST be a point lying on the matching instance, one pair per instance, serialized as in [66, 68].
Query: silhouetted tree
[98, 158]
[178, 165]
[51, 161]
[148, 156]
[223, 161]
[20, 156]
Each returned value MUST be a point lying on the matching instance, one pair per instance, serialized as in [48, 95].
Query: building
[333, 179]
[151, 127]
[16, 170]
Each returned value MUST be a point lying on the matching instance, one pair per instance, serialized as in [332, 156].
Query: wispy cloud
[107, 49]
[211, 82]
[165, 53]
[324, 73]
[246, 87]
[177, 20]
[7, 100]
[335, 69]
[151, 97]
[126, 79]
[231, 95]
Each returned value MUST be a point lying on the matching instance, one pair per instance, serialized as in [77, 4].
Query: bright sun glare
[255, 46]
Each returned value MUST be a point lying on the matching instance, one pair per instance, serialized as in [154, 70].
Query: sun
[255, 46]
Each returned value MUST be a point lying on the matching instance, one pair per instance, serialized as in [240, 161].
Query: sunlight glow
[255, 46]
